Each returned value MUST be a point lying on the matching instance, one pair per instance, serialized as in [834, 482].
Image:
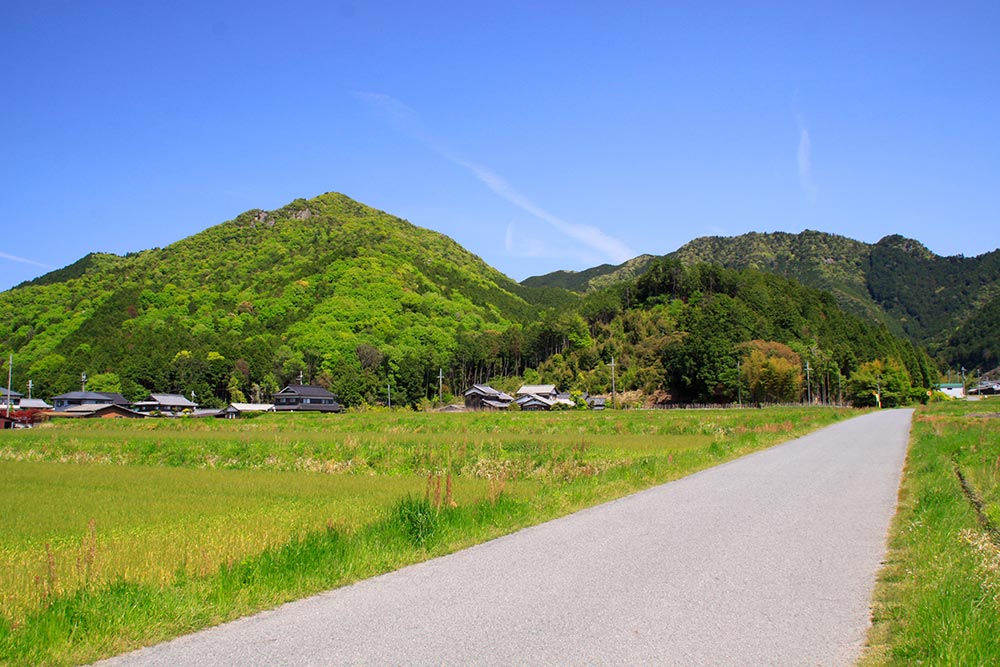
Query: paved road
[768, 560]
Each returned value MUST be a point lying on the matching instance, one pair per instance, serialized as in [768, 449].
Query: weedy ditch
[937, 600]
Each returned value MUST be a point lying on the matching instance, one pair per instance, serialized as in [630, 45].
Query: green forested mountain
[929, 298]
[356, 299]
[681, 332]
[944, 303]
[325, 286]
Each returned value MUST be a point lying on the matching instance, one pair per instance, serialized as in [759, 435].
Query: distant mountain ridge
[943, 303]
[593, 278]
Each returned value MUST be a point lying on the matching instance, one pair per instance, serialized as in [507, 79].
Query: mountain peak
[909, 246]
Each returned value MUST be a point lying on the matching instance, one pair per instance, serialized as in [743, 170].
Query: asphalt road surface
[767, 560]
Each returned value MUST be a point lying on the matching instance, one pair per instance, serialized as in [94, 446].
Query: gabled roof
[34, 404]
[305, 390]
[251, 407]
[93, 396]
[13, 394]
[94, 409]
[483, 389]
[173, 400]
[534, 398]
[537, 389]
[488, 391]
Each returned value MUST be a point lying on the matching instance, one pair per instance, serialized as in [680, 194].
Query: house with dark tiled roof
[99, 410]
[547, 391]
[306, 398]
[9, 396]
[68, 400]
[485, 397]
[534, 403]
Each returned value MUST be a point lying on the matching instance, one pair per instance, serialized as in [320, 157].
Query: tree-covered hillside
[328, 287]
[704, 333]
[897, 281]
[357, 300]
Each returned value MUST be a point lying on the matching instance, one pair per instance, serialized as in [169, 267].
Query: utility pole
[808, 384]
[614, 395]
[441, 386]
[388, 387]
[83, 381]
[10, 375]
[30, 385]
[300, 378]
[739, 385]
[965, 394]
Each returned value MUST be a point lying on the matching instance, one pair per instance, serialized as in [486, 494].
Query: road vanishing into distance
[766, 560]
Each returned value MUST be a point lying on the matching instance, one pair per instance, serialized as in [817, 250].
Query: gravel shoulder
[766, 560]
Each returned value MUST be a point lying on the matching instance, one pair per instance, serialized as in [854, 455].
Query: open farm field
[120, 533]
[938, 597]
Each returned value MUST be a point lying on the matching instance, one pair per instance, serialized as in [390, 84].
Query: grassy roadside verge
[937, 600]
[515, 473]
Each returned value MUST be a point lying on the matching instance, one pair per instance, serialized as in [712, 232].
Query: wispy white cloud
[588, 235]
[516, 244]
[22, 260]
[805, 161]
[805, 155]
[406, 120]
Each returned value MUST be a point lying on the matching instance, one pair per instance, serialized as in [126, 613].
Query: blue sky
[540, 136]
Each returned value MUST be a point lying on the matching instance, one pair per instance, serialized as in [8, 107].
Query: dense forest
[941, 303]
[357, 300]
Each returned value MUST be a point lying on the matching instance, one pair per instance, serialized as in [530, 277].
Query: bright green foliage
[300, 289]
[885, 383]
[771, 373]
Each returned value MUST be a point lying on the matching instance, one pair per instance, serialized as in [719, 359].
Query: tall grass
[122, 534]
[937, 601]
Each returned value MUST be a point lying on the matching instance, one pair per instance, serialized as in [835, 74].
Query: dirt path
[768, 560]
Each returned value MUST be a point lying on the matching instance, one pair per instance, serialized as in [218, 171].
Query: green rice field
[120, 533]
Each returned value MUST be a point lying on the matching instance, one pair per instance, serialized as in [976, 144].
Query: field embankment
[938, 597]
[123, 533]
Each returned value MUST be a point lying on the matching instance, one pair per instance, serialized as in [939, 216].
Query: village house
[534, 403]
[485, 397]
[546, 391]
[33, 404]
[953, 389]
[64, 401]
[99, 411]
[306, 398]
[237, 410]
[10, 397]
[165, 404]
[596, 402]
[534, 397]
